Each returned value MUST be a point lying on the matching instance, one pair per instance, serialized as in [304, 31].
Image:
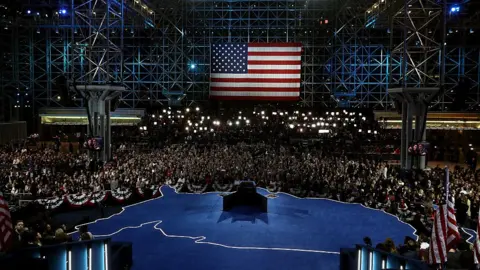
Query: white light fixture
[89, 258]
[105, 252]
[69, 263]
[359, 259]
[370, 261]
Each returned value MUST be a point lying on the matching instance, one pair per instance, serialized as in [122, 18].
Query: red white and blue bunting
[155, 191]
[51, 203]
[177, 185]
[140, 192]
[77, 200]
[97, 197]
[121, 194]
[223, 188]
[197, 188]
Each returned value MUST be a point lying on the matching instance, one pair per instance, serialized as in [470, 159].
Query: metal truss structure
[353, 51]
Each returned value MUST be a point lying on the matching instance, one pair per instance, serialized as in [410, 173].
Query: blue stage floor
[190, 231]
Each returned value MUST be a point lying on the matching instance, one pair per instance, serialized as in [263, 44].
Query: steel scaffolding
[352, 50]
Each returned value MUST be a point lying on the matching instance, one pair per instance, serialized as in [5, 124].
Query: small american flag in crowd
[6, 228]
[256, 71]
[445, 233]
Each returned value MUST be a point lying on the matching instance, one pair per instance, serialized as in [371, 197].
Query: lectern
[246, 194]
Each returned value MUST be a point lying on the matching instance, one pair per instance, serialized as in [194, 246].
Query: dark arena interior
[240, 134]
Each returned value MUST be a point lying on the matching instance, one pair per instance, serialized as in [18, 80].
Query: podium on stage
[246, 195]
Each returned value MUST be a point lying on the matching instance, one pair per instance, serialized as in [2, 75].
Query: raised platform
[246, 195]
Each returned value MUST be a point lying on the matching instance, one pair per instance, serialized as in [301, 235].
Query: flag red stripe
[254, 89]
[274, 71]
[273, 62]
[255, 80]
[6, 230]
[276, 44]
[275, 53]
[255, 98]
[452, 227]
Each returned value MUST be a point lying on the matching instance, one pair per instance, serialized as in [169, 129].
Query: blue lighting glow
[63, 11]
[193, 66]
[455, 9]
[29, 11]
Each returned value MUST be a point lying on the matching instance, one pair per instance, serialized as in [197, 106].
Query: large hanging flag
[256, 71]
[6, 228]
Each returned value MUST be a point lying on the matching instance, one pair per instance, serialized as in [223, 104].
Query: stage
[191, 231]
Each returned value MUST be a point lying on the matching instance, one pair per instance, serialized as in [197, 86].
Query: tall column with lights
[97, 58]
[99, 103]
[415, 102]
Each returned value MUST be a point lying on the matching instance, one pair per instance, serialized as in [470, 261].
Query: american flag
[255, 71]
[6, 228]
[445, 233]
[476, 245]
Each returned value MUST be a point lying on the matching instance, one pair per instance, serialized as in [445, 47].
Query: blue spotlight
[29, 11]
[193, 66]
[455, 9]
[63, 11]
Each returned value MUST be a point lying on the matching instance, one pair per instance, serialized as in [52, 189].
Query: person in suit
[18, 235]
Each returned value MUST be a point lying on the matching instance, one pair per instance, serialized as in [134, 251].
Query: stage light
[193, 66]
[63, 11]
[29, 12]
[455, 9]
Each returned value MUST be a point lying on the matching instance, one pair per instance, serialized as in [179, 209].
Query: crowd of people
[44, 234]
[332, 155]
